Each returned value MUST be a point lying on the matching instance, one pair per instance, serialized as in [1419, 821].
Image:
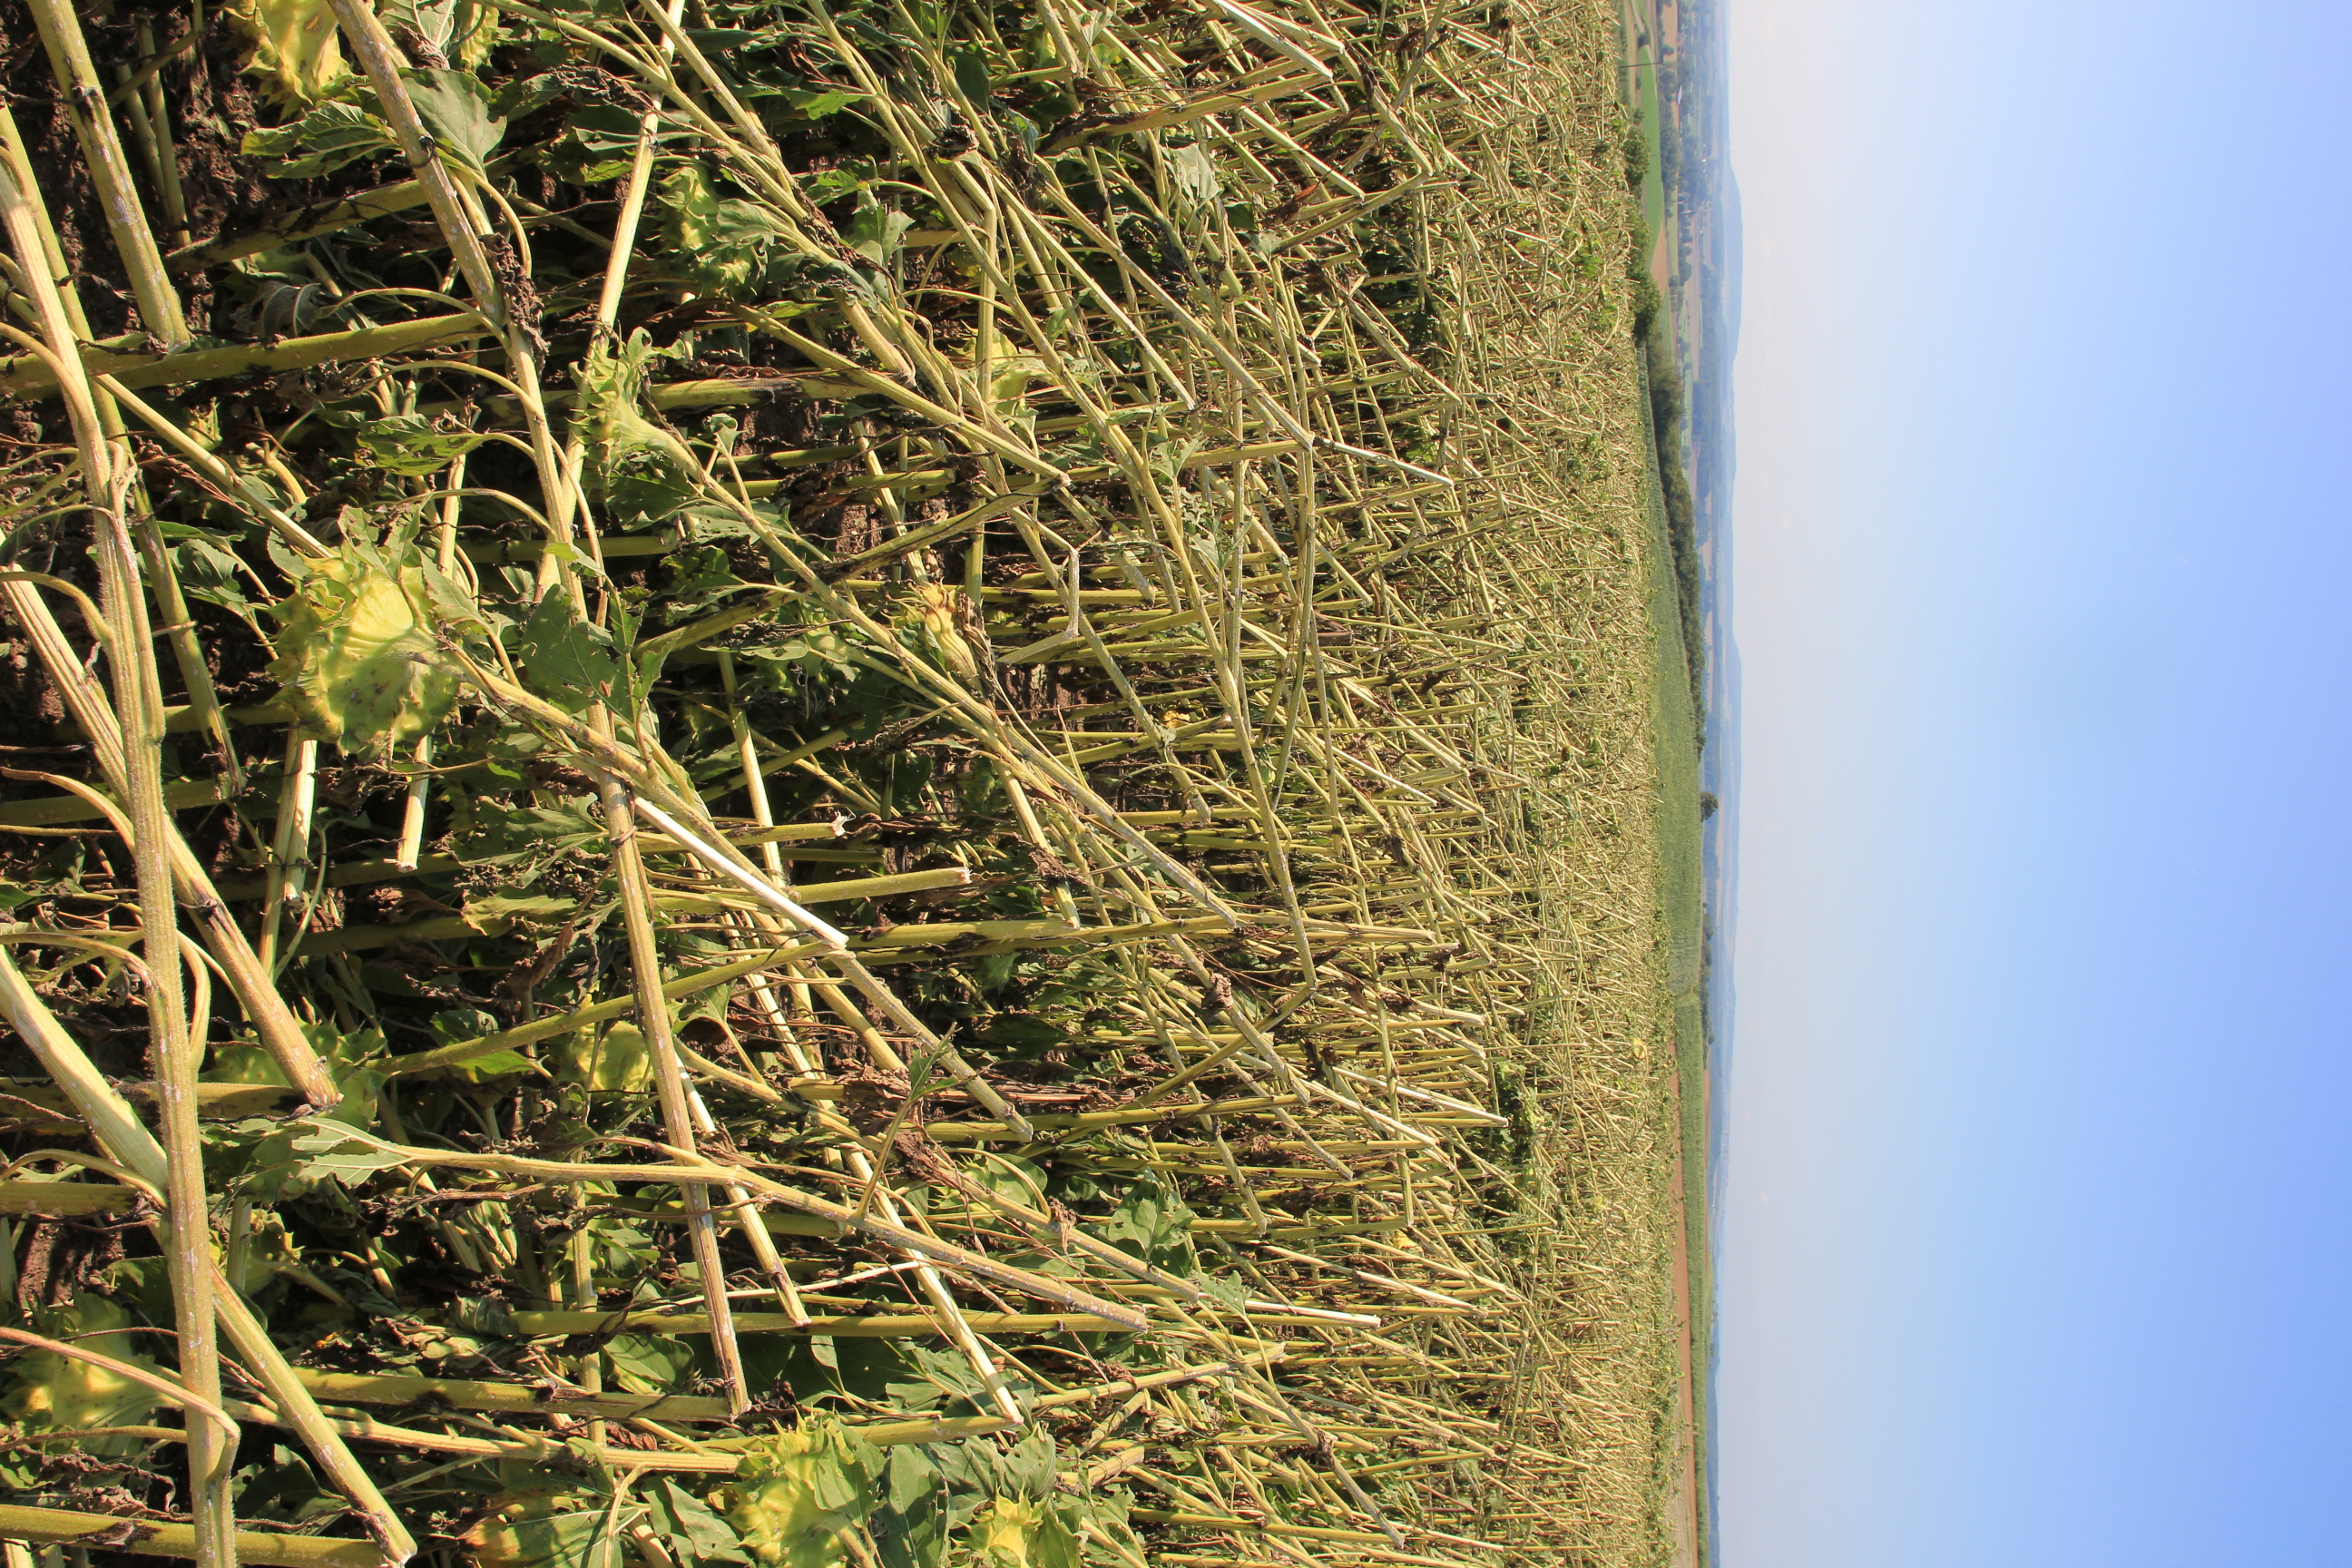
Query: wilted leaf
[297, 51]
[617, 1061]
[46, 1392]
[1195, 175]
[640, 471]
[936, 629]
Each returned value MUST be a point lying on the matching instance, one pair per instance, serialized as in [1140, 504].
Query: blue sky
[2034, 1239]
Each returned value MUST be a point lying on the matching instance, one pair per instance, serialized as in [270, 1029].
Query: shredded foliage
[904, 753]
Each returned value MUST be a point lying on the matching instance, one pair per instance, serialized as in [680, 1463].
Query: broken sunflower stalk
[900, 761]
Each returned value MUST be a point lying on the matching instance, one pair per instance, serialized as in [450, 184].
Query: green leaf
[912, 1478]
[542, 1530]
[533, 836]
[1026, 1468]
[738, 248]
[485, 1316]
[599, 143]
[971, 75]
[497, 1064]
[452, 1024]
[284, 1490]
[563, 657]
[531, 909]
[645, 1364]
[350, 1059]
[699, 574]
[619, 1248]
[334, 1150]
[516, 98]
[944, 1377]
[874, 230]
[826, 184]
[696, 1533]
[333, 135]
[210, 573]
[1155, 1225]
[815, 104]
[411, 444]
[1231, 1292]
[1011, 1177]
[929, 1490]
[1021, 1034]
[456, 109]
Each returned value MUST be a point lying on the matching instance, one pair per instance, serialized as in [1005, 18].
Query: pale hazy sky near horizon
[2034, 1238]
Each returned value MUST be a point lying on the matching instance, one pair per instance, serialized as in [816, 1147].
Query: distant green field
[1641, 67]
[1682, 905]
[1653, 184]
